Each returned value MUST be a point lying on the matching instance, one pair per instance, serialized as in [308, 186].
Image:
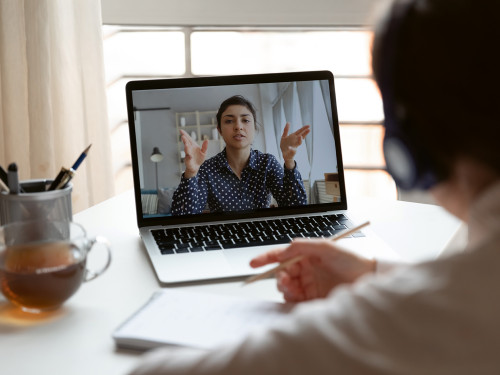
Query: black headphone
[407, 163]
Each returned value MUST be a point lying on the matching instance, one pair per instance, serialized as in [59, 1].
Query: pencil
[65, 175]
[291, 261]
[82, 156]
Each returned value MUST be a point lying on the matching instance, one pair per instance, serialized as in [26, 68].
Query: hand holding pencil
[311, 268]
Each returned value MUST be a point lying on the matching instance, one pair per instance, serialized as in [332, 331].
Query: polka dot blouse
[217, 185]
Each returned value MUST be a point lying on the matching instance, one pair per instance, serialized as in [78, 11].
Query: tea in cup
[43, 262]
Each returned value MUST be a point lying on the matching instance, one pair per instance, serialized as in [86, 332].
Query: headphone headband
[406, 162]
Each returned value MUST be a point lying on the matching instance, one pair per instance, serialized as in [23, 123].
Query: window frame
[260, 13]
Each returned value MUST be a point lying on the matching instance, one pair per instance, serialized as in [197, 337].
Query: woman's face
[237, 127]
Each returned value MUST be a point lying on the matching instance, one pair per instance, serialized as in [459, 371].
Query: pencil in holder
[36, 202]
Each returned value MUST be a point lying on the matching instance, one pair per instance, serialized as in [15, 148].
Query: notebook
[174, 317]
[210, 226]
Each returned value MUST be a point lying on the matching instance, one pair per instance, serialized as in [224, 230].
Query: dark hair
[236, 100]
[445, 77]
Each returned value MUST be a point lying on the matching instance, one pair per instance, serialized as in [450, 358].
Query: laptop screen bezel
[171, 83]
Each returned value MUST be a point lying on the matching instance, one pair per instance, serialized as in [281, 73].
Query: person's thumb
[285, 131]
[204, 146]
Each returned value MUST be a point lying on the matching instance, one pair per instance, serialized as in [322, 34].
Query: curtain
[304, 93]
[308, 103]
[287, 108]
[293, 115]
[279, 122]
[52, 94]
[324, 155]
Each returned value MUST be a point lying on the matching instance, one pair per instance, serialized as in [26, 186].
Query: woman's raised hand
[290, 142]
[323, 266]
[195, 155]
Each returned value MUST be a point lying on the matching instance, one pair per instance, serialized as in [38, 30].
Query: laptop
[214, 241]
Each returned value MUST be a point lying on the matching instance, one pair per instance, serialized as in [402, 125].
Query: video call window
[161, 114]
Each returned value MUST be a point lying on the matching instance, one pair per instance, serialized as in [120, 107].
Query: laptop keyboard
[244, 234]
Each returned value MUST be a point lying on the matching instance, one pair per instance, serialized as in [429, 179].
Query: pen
[58, 179]
[13, 178]
[65, 175]
[3, 180]
[3, 186]
[299, 257]
[3, 175]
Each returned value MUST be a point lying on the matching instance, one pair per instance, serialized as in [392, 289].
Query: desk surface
[77, 338]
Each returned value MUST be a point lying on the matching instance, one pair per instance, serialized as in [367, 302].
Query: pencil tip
[88, 148]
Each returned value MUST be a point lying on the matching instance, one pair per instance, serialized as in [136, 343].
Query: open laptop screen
[159, 110]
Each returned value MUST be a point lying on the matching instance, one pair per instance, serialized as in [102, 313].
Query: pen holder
[36, 203]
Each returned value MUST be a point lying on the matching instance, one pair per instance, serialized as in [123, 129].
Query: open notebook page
[174, 317]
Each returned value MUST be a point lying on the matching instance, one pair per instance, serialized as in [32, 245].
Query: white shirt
[439, 317]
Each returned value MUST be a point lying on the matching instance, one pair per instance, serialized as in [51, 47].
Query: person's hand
[195, 155]
[323, 267]
[289, 143]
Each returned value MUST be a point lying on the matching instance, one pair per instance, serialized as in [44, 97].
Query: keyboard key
[282, 239]
[225, 243]
[158, 233]
[197, 249]
[358, 234]
[213, 247]
[197, 244]
[167, 251]
[311, 235]
[235, 245]
[335, 232]
[211, 243]
[165, 243]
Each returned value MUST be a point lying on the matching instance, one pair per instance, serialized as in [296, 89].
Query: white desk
[77, 339]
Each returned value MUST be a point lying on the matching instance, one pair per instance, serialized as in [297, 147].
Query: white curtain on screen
[304, 93]
[293, 115]
[52, 93]
[279, 122]
[287, 108]
[324, 153]
[305, 103]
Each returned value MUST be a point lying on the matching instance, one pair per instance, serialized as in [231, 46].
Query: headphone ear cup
[400, 161]
[408, 166]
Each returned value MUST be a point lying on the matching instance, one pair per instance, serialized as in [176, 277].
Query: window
[133, 52]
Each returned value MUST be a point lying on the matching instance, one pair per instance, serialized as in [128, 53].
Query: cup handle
[91, 275]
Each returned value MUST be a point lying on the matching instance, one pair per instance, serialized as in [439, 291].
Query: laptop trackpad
[239, 259]
[195, 266]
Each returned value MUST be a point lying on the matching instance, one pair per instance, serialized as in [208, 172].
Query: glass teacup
[43, 262]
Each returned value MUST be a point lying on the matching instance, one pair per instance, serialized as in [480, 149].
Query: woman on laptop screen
[239, 178]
